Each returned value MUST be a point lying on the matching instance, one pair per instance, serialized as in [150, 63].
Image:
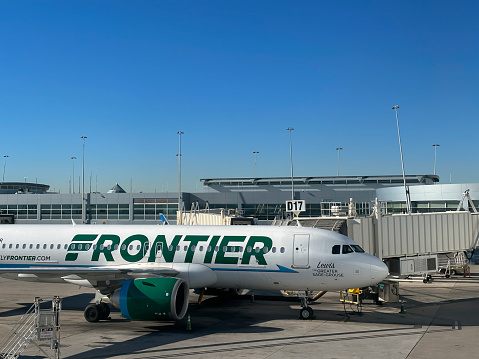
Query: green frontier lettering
[193, 242]
[267, 244]
[256, 246]
[82, 239]
[211, 249]
[141, 252]
[167, 251]
[101, 247]
[224, 248]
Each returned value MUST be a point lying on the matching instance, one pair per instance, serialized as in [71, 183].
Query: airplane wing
[105, 278]
[90, 270]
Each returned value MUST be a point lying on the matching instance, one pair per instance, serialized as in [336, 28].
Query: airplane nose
[379, 270]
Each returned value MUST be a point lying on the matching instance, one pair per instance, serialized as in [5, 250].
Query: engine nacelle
[152, 299]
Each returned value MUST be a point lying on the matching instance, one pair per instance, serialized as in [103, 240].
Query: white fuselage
[253, 257]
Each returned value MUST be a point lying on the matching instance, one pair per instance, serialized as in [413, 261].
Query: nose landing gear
[305, 312]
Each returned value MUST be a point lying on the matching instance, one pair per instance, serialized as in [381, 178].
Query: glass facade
[60, 211]
[111, 211]
[20, 211]
[149, 209]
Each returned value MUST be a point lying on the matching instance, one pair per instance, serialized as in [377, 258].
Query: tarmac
[438, 320]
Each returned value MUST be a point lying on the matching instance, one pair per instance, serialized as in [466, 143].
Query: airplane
[147, 271]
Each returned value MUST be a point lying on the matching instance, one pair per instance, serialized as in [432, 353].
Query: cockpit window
[336, 249]
[347, 249]
[358, 249]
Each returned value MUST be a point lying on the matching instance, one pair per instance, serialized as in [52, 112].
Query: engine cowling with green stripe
[152, 299]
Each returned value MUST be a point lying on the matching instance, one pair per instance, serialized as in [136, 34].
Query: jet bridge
[415, 236]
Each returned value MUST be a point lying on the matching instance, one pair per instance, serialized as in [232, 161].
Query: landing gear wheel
[92, 313]
[306, 313]
[104, 310]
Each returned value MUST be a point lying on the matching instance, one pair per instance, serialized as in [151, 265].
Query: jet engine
[152, 299]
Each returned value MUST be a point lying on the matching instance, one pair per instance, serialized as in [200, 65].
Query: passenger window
[116, 247]
[80, 246]
[24, 246]
[248, 249]
[38, 246]
[201, 248]
[131, 247]
[59, 246]
[273, 250]
[3, 246]
[10, 246]
[170, 247]
[185, 248]
[193, 248]
[265, 249]
[137, 247]
[282, 250]
[347, 249]
[109, 247]
[18, 245]
[44, 246]
[31, 246]
[208, 249]
[336, 249]
[217, 249]
[177, 248]
[51, 246]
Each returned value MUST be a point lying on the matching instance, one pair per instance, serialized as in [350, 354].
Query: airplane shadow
[241, 315]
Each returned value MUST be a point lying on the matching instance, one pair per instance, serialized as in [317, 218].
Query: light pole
[339, 150]
[179, 133]
[83, 182]
[73, 178]
[435, 148]
[291, 155]
[255, 153]
[406, 190]
[4, 165]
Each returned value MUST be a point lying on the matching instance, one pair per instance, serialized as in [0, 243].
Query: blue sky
[233, 75]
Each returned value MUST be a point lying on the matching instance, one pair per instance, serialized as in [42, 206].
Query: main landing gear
[305, 312]
[96, 312]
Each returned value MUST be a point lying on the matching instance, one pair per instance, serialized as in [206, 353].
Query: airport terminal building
[263, 198]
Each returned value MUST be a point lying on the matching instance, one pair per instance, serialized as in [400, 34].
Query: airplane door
[301, 250]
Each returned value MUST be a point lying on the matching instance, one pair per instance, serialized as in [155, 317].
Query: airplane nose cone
[379, 270]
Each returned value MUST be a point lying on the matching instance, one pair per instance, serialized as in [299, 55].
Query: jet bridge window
[336, 249]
